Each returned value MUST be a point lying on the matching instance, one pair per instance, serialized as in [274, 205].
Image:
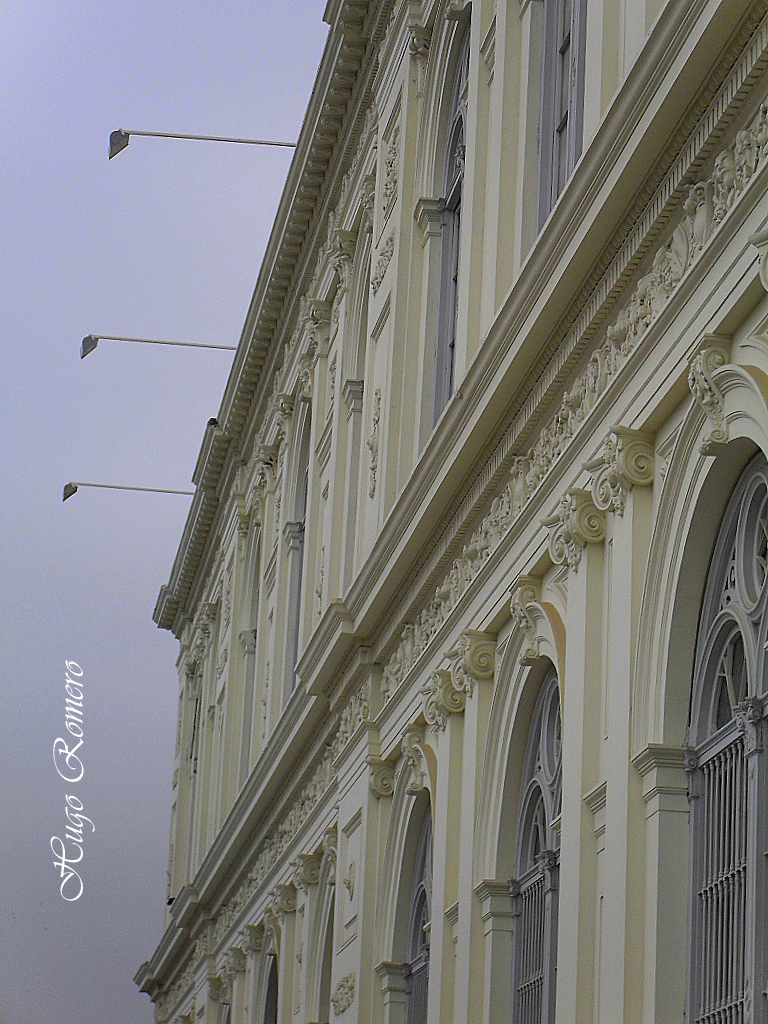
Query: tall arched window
[451, 231]
[270, 1003]
[417, 968]
[296, 531]
[562, 98]
[727, 766]
[535, 889]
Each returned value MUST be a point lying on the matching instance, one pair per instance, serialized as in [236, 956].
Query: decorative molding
[708, 396]
[247, 638]
[488, 49]
[344, 994]
[381, 777]
[352, 393]
[626, 460]
[283, 900]
[382, 263]
[236, 960]
[306, 871]
[526, 593]
[428, 214]
[575, 523]
[252, 938]
[415, 763]
[760, 241]
[373, 442]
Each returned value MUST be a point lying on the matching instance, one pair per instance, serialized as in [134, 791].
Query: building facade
[471, 601]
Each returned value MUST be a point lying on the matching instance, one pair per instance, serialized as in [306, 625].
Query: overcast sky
[165, 241]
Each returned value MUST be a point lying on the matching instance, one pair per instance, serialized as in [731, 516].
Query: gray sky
[164, 241]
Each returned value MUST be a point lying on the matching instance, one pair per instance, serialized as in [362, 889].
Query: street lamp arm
[91, 341]
[120, 138]
[72, 488]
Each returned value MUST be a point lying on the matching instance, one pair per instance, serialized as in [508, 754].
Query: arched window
[417, 968]
[562, 98]
[727, 766]
[296, 531]
[270, 1003]
[535, 889]
[325, 973]
[451, 231]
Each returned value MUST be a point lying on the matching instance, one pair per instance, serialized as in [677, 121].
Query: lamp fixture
[119, 139]
[90, 343]
[72, 488]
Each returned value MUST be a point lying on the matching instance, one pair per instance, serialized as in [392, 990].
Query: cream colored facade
[372, 606]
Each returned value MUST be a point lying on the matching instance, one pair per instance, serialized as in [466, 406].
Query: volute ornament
[306, 871]
[575, 523]
[415, 762]
[472, 660]
[708, 396]
[441, 699]
[526, 592]
[381, 777]
[626, 460]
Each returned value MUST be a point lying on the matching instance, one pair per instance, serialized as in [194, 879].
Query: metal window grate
[530, 982]
[722, 896]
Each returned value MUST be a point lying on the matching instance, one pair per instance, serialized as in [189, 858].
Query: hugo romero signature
[68, 851]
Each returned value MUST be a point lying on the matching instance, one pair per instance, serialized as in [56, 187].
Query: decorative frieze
[625, 461]
[708, 396]
[575, 523]
[344, 994]
[356, 711]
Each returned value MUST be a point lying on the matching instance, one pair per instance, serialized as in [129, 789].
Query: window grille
[726, 765]
[535, 890]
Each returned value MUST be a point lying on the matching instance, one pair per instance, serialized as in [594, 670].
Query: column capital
[428, 214]
[441, 699]
[415, 760]
[526, 594]
[306, 871]
[575, 522]
[381, 777]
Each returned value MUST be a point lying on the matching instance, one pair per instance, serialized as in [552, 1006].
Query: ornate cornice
[575, 523]
[625, 461]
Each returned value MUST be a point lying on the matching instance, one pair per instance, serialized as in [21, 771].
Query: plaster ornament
[247, 638]
[526, 592]
[306, 871]
[708, 396]
[356, 711]
[271, 932]
[341, 253]
[391, 173]
[381, 777]
[575, 523]
[344, 994]
[283, 413]
[626, 460]
[305, 380]
[749, 718]
[382, 263]
[349, 880]
[441, 699]
[368, 202]
[329, 857]
[373, 442]
[415, 764]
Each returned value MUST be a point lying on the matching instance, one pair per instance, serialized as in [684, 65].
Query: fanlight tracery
[417, 968]
[726, 763]
[535, 888]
